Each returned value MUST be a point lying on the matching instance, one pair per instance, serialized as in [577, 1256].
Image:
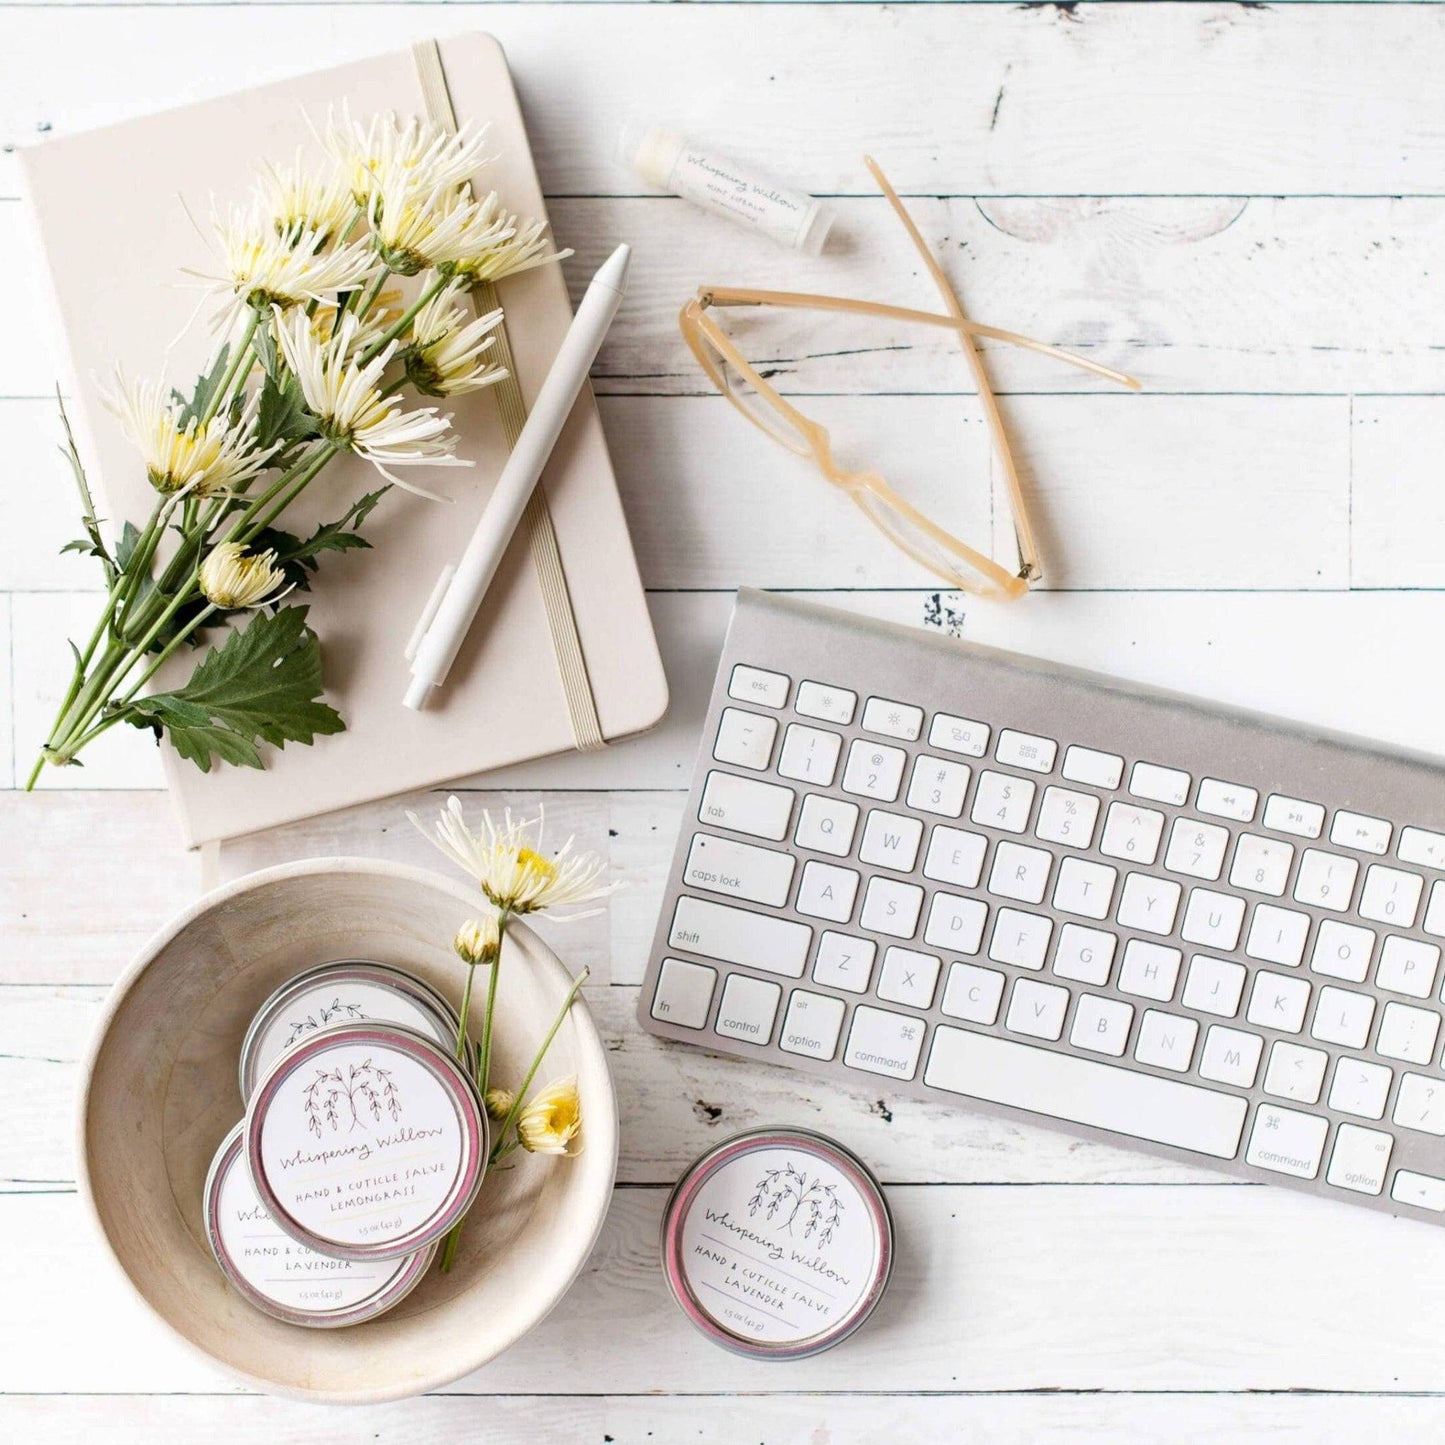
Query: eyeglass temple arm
[741, 296]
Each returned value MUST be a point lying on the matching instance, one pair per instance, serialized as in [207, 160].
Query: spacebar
[1060, 1086]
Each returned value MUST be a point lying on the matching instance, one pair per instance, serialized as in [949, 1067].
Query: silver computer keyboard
[1064, 898]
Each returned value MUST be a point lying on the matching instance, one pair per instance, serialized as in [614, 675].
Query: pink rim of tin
[461, 1093]
[406, 1272]
[689, 1191]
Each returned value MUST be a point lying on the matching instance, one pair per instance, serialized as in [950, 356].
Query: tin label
[778, 1246]
[349, 1002]
[362, 1144]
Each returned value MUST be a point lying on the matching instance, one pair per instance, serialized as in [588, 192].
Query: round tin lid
[283, 1278]
[366, 1141]
[347, 991]
[777, 1243]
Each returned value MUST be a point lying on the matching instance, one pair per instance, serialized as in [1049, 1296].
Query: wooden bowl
[159, 1094]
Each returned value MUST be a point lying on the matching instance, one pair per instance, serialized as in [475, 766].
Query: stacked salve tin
[364, 1141]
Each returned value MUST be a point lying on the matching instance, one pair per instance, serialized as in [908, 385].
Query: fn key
[684, 993]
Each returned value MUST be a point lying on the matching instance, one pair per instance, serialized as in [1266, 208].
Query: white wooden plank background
[1244, 206]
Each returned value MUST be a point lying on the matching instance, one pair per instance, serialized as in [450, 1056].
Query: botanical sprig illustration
[788, 1195]
[349, 1094]
[321, 1018]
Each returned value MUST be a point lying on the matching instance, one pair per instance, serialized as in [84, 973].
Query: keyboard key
[1002, 802]
[955, 857]
[1342, 950]
[1037, 1009]
[1226, 800]
[1407, 966]
[1196, 849]
[744, 739]
[827, 891]
[1408, 1033]
[1360, 1088]
[740, 870]
[1149, 904]
[1291, 815]
[1326, 880]
[1355, 830]
[972, 993]
[734, 935]
[1434, 921]
[1166, 1040]
[874, 771]
[1230, 1056]
[1277, 935]
[908, 977]
[1101, 1025]
[959, 735]
[1212, 919]
[1285, 1141]
[892, 719]
[1021, 939]
[1424, 1191]
[938, 786]
[891, 840]
[885, 1043]
[684, 993]
[1420, 1104]
[826, 825]
[1085, 1091]
[810, 755]
[742, 805]
[1278, 1001]
[1416, 845]
[1213, 986]
[1132, 833]
[1359, 1159]
[844, 962]
[1067, 817]
[955, 924]
[1024, 750]
[1020, 873]
[1343, 1017]
[1085, 954]
[752, 684]
[827, 704]
[1096, 769]
[1295, 1072]
[891, 907]
[812, 1025]
[1161, 785]
[1085, 888]
[748, 1008]
[1261, 865]
[1149, 970]
[1390, 896]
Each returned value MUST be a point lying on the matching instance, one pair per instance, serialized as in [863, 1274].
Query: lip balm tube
[669, 161]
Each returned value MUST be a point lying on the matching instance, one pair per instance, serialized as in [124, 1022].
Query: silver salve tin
[366, 1141]
[282, 1277]
[347, 991]
[777, 1243]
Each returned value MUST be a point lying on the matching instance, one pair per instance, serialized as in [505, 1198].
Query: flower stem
[402, 322]
[465, 1013]
[242, 353]
[484, 1059]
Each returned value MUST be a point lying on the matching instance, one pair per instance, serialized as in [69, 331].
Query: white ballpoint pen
[459, 592]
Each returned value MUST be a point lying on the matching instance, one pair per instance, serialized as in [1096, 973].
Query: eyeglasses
[925, 541]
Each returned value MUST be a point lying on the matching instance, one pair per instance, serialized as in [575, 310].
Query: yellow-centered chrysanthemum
[388, 148]
[231, 577]
[479, 940]
[447, 348]
[522, 249]
[345, 396]
[416, 228]
[186, 456]
[551, 1122]
[298, 201]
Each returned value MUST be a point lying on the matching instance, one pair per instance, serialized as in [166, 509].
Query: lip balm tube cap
[814, 235]
[650, 150]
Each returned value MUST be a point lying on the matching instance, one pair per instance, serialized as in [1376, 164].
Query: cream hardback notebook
[112, 208]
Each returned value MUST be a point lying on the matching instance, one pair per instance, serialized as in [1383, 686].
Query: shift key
[743, 805]
[735, 935]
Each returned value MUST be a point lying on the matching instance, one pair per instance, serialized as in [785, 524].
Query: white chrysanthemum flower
[551, 1122]
[387, 149]
[447, 348]
[299, 200]
[263, 269]
[510, 868]
[186, 456]
[499, 1103]
[346, 398]
[525, 248]
[416, 228]
[479, 940]
[231, 577]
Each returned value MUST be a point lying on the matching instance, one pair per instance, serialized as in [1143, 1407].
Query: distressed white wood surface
[1241, 205]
